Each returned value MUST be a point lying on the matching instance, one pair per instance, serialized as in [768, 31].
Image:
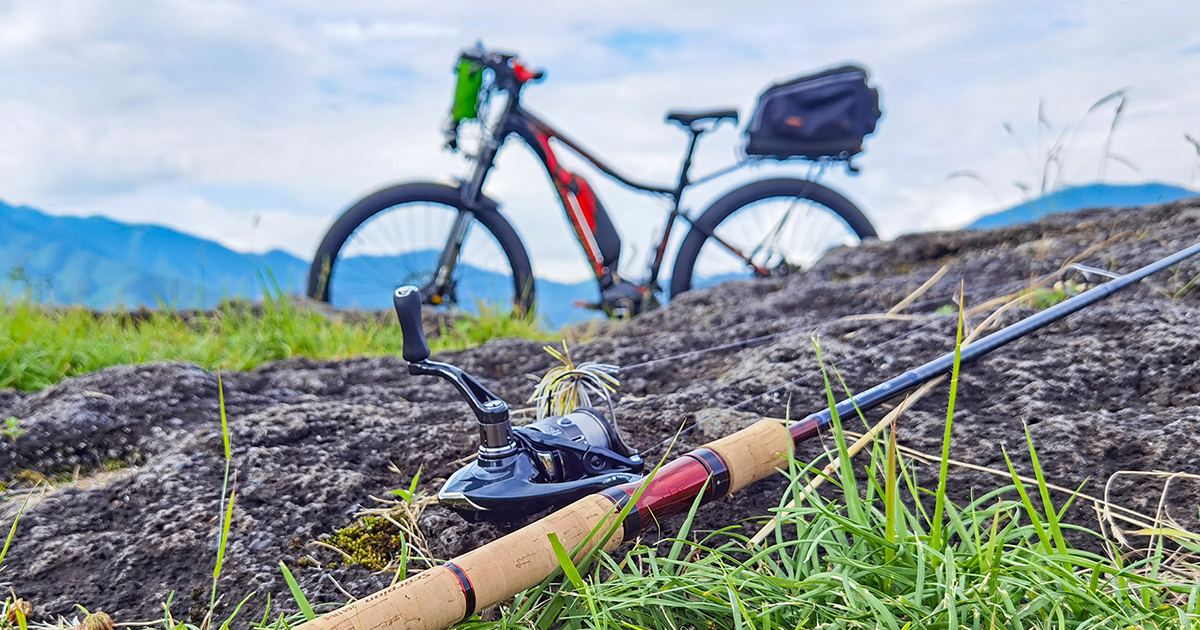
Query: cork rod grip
[436, 598]
[755, 452]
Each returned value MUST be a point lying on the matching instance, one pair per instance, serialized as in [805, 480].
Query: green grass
[869, 554]
[1043, 298]
[828, 569]
[873, 556]
[39, 347]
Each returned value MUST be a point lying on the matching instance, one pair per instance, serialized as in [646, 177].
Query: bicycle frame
[576, 197]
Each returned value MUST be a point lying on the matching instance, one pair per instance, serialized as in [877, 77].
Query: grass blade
[1047, 506]
[889, 497]
[848, 480]
[297, 594]
[935, 534]
[12, 531]
[224, 422]
[1034, 519]
[224, 536]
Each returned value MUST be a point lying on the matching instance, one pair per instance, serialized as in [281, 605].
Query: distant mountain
[360, 277]
[106, 264]
[103, 263]
[1080, 197]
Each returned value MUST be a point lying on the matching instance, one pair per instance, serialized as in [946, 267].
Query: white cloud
[364, 31]
[168, 111]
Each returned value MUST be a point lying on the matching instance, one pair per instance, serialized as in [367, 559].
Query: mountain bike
[454, 243]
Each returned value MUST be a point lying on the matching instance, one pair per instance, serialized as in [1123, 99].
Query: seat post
[687, 162]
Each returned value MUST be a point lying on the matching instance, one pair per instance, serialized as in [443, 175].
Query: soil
[1115, 387]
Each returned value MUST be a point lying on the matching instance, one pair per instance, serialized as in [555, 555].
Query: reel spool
[520, 471]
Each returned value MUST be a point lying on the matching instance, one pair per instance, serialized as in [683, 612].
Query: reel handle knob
[407, 301]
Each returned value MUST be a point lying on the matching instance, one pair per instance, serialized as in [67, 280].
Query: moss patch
[1045, 298]
[371, 541]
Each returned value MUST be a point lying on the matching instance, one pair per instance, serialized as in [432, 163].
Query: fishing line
[1007, 286]
[855, 356]
[1014, 284]
[570, 461]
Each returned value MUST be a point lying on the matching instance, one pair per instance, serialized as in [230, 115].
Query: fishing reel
[523, 470]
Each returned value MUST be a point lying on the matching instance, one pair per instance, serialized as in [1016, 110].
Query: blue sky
[204, 114]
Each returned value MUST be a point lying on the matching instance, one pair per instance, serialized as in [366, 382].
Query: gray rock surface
[1116, 387]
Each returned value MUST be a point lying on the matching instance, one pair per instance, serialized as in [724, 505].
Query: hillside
[1115, 387]
[103, 263]
[106, 264]
[1074, 198]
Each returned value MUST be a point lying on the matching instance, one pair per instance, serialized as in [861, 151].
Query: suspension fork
[441, 287]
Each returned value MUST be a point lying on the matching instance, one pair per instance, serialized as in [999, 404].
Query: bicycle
[770, 227]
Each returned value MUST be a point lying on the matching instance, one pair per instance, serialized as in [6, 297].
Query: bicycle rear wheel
[771, 227]
[394, 237]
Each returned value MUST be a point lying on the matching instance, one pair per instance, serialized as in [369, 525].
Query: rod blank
[917, 376]
[441, 596]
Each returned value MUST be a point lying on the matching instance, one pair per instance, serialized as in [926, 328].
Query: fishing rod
[566, 457]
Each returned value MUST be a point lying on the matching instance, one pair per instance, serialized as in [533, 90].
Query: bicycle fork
[441, 288]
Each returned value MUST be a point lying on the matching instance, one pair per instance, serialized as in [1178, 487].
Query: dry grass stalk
[96, 621]
[888, 419]
[912, 297]
[1048, 278]
[1181, 562]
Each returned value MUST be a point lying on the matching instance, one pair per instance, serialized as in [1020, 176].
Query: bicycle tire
[751, 193]
[321, 272]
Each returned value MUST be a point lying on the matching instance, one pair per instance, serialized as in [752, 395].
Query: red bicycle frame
[586, 214]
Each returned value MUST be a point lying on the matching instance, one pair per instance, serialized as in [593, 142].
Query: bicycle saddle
[687, 119]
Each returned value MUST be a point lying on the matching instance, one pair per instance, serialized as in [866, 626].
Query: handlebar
[508, 74]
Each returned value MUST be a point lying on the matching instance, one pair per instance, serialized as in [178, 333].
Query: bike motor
[520, 470]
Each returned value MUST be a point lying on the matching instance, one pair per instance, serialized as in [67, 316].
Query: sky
[256, 123]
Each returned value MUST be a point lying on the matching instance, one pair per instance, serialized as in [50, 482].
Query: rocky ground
[1116, 387]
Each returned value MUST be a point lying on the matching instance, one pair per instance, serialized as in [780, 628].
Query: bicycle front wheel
[395, 237]
[766, 228]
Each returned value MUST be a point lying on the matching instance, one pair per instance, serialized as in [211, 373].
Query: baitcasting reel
[520, 470]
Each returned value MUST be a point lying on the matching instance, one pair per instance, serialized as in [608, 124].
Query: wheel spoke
[777, 233]
[401, 245]
[772, 236]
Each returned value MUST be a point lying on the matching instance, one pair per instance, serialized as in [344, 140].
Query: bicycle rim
[781, 235]
[401, 245]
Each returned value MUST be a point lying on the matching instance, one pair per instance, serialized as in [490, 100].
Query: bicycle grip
[407, 301]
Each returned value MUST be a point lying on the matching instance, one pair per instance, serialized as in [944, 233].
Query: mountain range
[105, 264]
[1073, 198]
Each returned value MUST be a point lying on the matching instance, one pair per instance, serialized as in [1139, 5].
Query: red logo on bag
[793, 121]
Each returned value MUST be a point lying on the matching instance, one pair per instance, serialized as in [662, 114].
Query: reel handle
[407, 301]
